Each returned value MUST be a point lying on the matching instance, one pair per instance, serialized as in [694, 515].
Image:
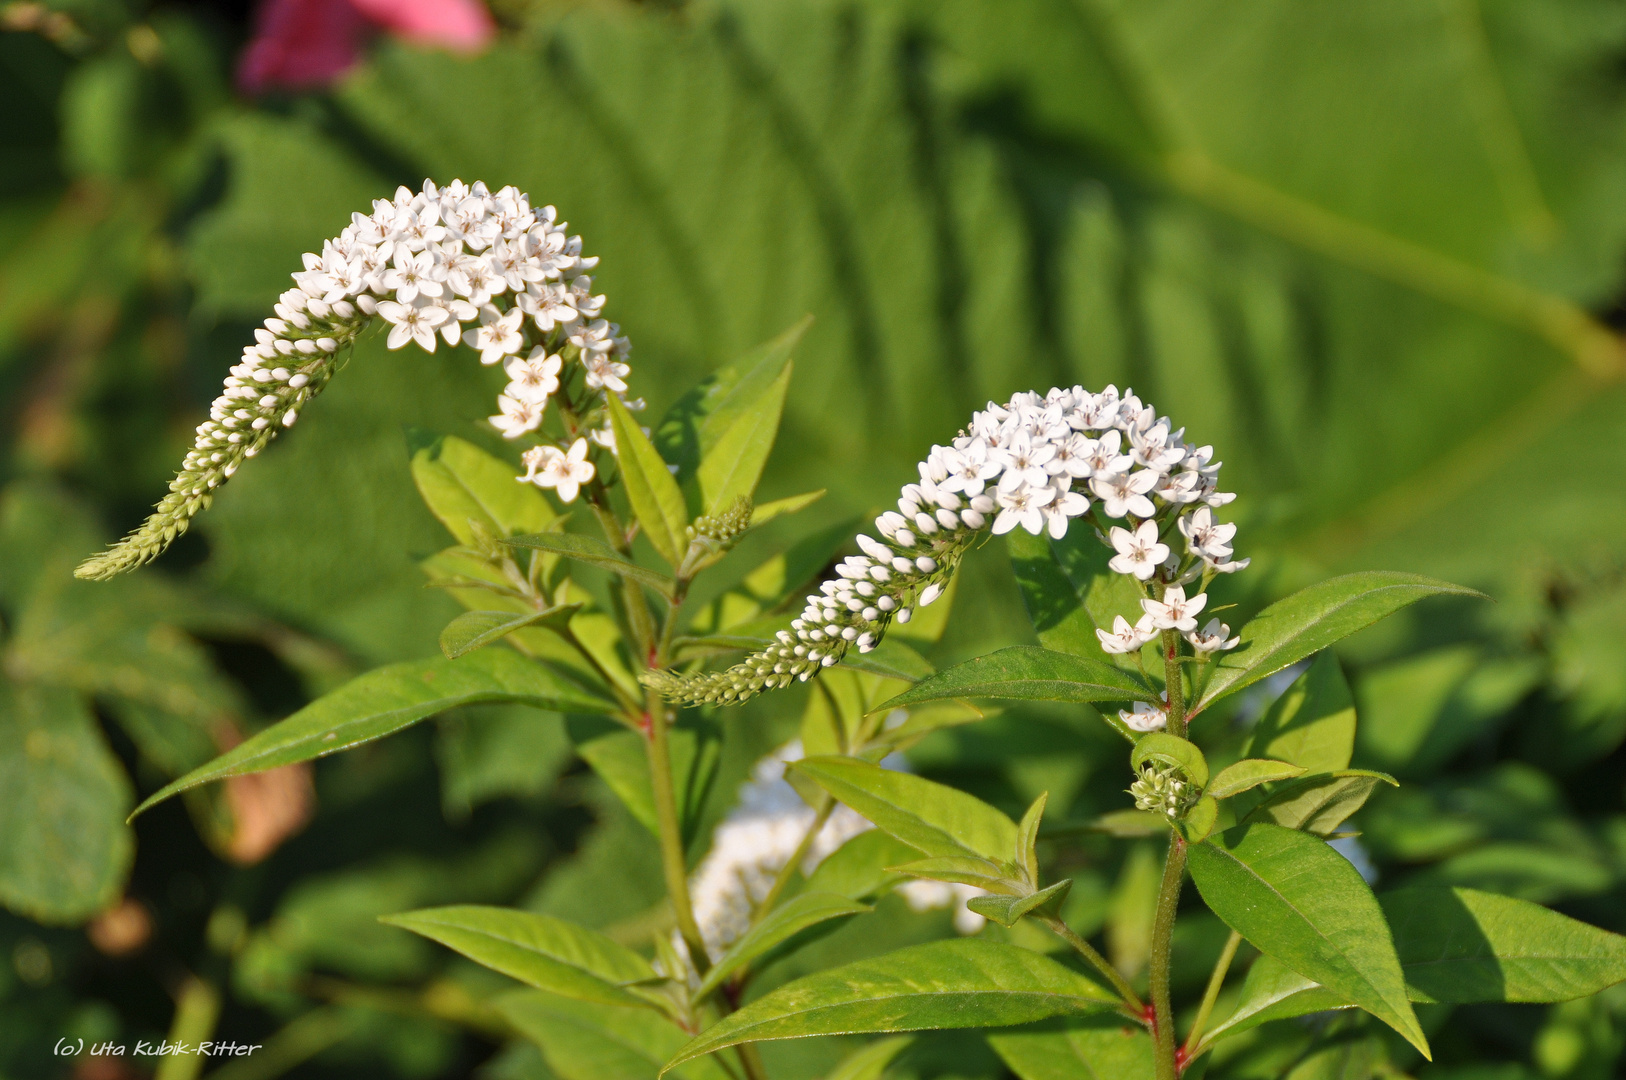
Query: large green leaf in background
[64, 847]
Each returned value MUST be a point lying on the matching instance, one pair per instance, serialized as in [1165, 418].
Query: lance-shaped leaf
[1027, 837]
[1459, 946]
[1319, 803]
[390, 698]
[588, 1040]
[461, 483]
[942, 984]
[1312, 724]
[732, 467]
[539, 950]
[655, 497]
[1092, 1048]
[476, 629]
[937, 819]
[1462, 945]
[1300, 901]
[1007, 910]
[1027, 673]
[1250, 773]
[698, 421]
[860, 869]
[1312, 619]
[762, 513]
[780, 925]
[1169, 749]
[891, 660]
[595, 552]
[963, 870]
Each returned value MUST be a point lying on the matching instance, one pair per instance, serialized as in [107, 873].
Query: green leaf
[732, 467]
[762, 513]
[869, 1062]
[621, 759]
[1171, 750]
[1070, 592]
[859, 870]
[1461, 945]
[64, 847]
[1200, 820]
[779, 926]
[1008, 910]
[476, 629]
[461, 483]
[963, 870]
[655, 497]
[384, 701]
[937, 819]
[1455, 945]
[587, 1040]
[595, 552]
[1027, 838]
[1319, 803]
[1300, 901]
[1250, 773]
[539, 950]
[1093, 1048]
[1027, 673]
[1313, 723]
[942, 984]
[697, 422]
[1312, 619]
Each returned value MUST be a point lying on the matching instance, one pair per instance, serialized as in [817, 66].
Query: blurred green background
[1372, 250]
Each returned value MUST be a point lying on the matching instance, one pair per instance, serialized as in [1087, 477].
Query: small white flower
[535, 377]
[602, 372]
[414, 274]
[1126, 638]
[497, 335]
[1140, 553]
[1154, 447]
[1145, 717]
[412, 322]
[1125, 493]
[1023, 462]
[565, 473]
[471, 277]
[1024, 507]
[1066, 506]
[1174, 611]
[1212, 638]
[1205, 537]
[518, 416]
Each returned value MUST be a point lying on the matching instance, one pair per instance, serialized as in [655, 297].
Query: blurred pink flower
[300, 44]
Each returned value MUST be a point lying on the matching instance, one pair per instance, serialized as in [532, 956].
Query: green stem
[1168, 899]
[1174, 683]
[1215, 981]
[752, 1060]
[674, 867]
[826, 805]
[197, 1007]
[1131, 999]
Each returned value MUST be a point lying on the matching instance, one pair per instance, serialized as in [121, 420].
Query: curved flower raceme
[1037, 463]
[459, 264]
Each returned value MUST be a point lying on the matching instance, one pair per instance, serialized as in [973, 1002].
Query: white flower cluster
[1034, 462]
[457, 263]
[757, 839]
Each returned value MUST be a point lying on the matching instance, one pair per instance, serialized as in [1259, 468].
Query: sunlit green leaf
[655, 497]
[595, 552]
[869, 1062]
[621, 759]
[387, 699]
[733, 465]
[762, 513]
[587, 1040]
[1301, 902]
[943, 984]
[937, 819]
[1007, 910]
[1168, 749]
[1319, 803]
[1250, 773]
[476, 629]
[539, 950]
[777, 927]
[1094, 1048]
[1026, 673]
[460, 483]
[1314, 618]
[1313, 723]
[859, 870]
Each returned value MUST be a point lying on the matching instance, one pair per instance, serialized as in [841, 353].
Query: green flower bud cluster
[1163, 789]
